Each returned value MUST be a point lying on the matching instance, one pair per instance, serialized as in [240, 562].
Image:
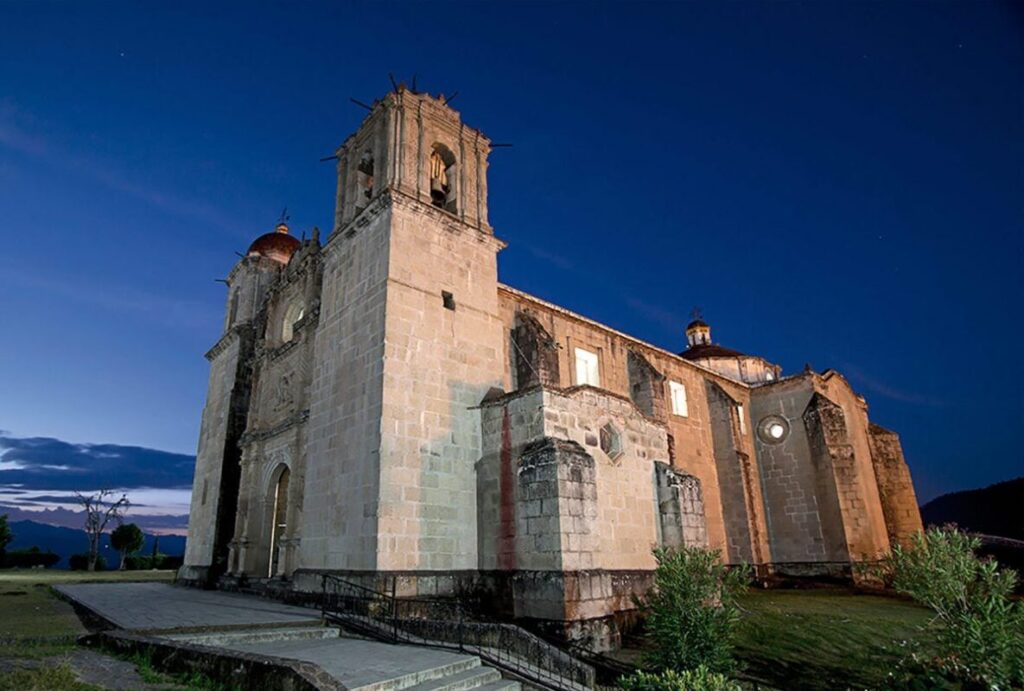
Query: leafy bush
[171, 562]
[29, 558]
[691, 612]
[978, 628]
[80, 562]
[160, 561]
[698, 679]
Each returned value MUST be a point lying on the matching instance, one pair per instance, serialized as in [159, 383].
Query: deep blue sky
[839, 184]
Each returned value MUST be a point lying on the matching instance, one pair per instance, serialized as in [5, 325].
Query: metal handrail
[440, 622]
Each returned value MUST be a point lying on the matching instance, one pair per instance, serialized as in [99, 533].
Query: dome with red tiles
[278, 245]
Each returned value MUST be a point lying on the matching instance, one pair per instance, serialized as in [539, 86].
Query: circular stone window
[773, 429]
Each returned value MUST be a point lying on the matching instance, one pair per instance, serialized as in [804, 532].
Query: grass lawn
[35, 623]
[824, 639]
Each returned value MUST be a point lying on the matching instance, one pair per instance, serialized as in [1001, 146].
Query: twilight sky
[839, 184]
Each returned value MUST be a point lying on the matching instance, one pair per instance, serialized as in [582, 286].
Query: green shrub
[29, 558]
[691, 612]
[80, 562]
[160, 561]
[698, 679]
[978, 629]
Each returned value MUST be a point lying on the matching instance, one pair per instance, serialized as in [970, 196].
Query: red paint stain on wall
[507, 480]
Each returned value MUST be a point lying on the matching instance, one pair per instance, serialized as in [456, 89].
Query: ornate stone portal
[381, 407]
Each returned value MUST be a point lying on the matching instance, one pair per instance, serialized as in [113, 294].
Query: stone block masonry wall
[736, 512]
[895, 488]
[215, 483]
[803, 521]
[343, 443]
[442, 355]
[691, 438]
[834, 454]
[681, 508]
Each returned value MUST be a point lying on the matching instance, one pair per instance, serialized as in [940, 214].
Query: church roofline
[633, 339]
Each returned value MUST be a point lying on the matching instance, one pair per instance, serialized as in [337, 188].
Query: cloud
[172, 312]
[667, 318]
[551, 258]
[53, 465]
[16, 137]
[869, 383]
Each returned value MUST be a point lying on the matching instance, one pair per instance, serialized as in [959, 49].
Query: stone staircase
[359, 664]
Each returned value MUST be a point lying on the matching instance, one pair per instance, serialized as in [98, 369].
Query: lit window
[769, 376]
[678, 392]
[773, 429]
[586, 368]
[743, 419]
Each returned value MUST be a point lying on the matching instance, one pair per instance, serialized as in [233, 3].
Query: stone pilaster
[535, 353]
[556, 509]
[895, 488]
[680, 508]
[841, 478]
[646, 386]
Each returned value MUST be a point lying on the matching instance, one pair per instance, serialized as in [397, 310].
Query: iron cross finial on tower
[697, 314]
[283, 220]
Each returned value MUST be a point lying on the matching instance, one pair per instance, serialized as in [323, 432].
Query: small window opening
[679, 405]
[365, 177]
[442, 178]
[587, 368]
[292, 316]
[448, 299]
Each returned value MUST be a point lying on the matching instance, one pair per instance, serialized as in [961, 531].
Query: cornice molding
[256, 436]
[238, 332]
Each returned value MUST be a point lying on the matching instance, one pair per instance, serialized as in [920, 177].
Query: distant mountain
[68, 541]
[995, 510]
[162, 524]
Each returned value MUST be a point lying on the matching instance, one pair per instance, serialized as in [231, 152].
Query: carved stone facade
[381, 407]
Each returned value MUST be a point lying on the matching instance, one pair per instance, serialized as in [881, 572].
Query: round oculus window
[773, 429]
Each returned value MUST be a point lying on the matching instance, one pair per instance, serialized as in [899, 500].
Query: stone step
[259, 635]
[411, 679]
[472, 678]
[501, 685]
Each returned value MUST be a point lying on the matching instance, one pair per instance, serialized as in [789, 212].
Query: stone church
[380, 407]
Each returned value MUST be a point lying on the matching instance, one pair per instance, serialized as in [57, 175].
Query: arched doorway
[279, 520]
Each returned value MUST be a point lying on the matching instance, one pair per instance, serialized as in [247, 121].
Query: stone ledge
[233, 668]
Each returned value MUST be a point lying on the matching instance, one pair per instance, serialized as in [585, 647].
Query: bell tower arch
[415, 144]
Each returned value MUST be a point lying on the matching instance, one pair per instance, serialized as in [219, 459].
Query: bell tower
[410, 341]
[414, 143]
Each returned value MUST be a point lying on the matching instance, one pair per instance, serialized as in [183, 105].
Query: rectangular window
[586, 368]
[678, 392]
[743, 419]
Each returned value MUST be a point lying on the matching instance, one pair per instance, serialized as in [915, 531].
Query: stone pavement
[159, 606]
[362, 664]
[274, 632]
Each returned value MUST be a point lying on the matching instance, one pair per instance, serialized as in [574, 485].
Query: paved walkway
[357, 663]
[269, 629]
[159, 606]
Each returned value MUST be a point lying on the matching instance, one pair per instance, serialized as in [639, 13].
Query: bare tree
[100, 510]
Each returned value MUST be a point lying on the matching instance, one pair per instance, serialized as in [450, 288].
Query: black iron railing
[441, 622]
